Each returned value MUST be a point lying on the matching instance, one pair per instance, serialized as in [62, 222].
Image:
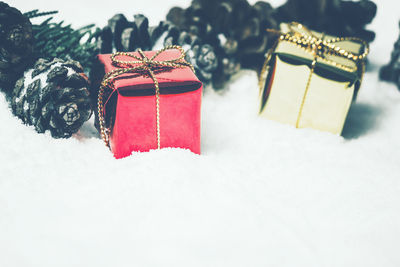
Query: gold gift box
[309, 79]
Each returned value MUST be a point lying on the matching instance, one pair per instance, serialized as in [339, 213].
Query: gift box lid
[171, 81]
[326, 64]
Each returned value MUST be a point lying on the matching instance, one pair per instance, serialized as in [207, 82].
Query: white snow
[261, 194]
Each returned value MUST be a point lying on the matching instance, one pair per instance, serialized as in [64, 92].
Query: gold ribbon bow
[302, 37]
[144, 66]
[320, 48]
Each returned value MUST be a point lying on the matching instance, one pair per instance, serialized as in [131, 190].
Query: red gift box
[130, 107]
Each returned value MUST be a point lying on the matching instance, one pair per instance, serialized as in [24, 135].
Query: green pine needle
[54, 39]
[34, 14]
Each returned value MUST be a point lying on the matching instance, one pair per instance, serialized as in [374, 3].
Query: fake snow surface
[261, 194]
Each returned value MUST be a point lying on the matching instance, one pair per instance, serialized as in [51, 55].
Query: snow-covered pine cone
[234, 28]
[204, 61]
[16, 45]
[54, 95]
[123, 35]
[200, 55]
[391, 71]
[336, 17]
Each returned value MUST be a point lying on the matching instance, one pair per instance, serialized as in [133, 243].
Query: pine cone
[335, 17]
[234, 28]
[16, 45]
[201, 56]
[204, 61]
[123, 35]
[53, 96]
[391, 72]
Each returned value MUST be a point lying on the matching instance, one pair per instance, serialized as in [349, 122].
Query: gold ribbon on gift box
[322, 50]
[143, 66]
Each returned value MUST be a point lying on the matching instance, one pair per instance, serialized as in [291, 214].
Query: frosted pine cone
[335, 17]
[123, 35]
[201, 56]
[233, 28]
[53, 96]
[16, 45]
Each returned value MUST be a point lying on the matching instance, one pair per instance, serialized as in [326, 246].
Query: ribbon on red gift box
[143, 66]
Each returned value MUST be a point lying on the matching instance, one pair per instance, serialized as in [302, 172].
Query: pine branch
[54, 39]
